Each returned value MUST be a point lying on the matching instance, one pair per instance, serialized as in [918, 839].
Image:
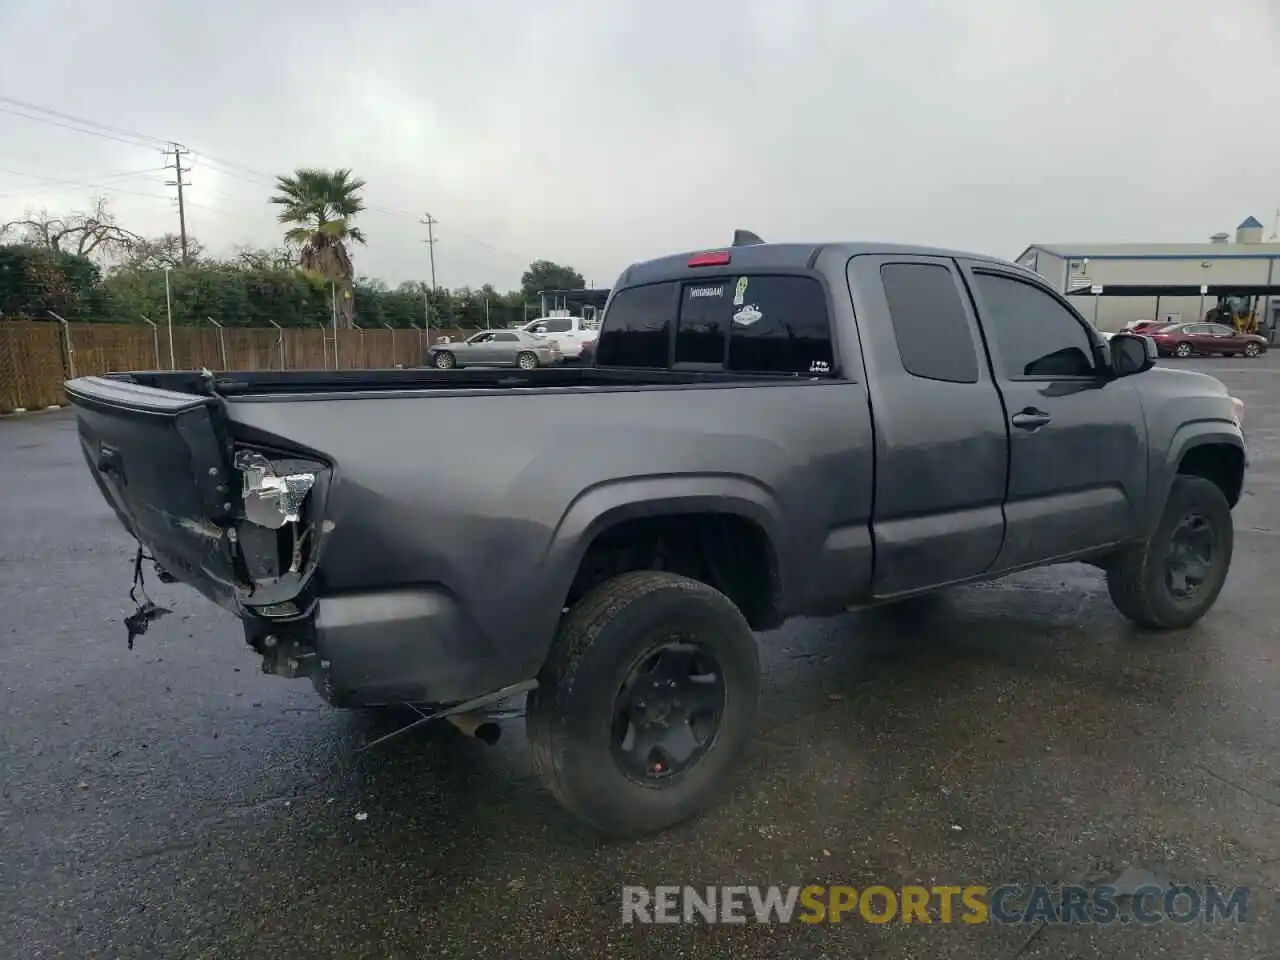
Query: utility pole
[431, 222]
[179, 151]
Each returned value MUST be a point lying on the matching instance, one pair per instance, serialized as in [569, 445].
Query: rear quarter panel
[495, 496]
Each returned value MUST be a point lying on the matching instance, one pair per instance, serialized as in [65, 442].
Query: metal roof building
[1118, 283]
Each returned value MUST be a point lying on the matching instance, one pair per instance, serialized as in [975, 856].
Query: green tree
[545, 275]
[35, 280]
[320, 205]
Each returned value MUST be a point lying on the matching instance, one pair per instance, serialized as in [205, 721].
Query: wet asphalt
[174, 802]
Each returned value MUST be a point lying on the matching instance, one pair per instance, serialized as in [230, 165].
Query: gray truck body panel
[450, 517]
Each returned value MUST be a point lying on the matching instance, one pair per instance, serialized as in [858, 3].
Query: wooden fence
[37, 357]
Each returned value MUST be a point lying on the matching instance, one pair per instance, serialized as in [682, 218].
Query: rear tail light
[271, 500]
[712, 258]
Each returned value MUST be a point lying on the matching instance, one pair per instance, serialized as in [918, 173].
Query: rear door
[1077, 447]
[941, 443]
[505, 346]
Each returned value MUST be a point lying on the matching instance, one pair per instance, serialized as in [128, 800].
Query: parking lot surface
[174, 802]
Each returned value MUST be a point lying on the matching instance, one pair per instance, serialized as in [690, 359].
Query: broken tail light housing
[277, 536]
[271, 500]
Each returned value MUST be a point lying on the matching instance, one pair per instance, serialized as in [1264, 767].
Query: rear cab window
[929, 322]
[757, 323]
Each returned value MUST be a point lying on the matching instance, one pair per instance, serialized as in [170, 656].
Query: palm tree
[320, 204]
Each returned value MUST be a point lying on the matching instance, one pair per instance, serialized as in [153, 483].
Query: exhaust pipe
[476, 725]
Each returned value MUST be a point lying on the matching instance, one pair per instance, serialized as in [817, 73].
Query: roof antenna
[745, 238]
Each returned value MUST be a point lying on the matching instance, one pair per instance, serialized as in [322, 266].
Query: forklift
[1238, 311]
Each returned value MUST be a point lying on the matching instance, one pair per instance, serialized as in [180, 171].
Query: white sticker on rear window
[747, 315]
[740, 292]
[707, 292]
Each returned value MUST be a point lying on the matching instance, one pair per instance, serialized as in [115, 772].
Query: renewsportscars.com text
[1007, 903]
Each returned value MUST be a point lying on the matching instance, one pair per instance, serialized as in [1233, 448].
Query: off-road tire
[569, 716]
[1136, 575]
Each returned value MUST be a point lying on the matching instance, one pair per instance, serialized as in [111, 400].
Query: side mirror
[1131, 353]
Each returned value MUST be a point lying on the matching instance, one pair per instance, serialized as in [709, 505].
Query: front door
[1077, 438]
[1224, 339]
[481, 349]
[1202, 337]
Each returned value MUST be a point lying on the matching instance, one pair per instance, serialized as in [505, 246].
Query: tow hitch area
[285, 657]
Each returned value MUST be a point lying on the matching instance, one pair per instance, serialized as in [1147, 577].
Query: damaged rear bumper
[372, 648]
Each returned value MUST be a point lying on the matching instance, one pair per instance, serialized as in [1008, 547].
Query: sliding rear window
[751, 324]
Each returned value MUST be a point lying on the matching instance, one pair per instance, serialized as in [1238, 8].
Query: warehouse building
[1115, 284]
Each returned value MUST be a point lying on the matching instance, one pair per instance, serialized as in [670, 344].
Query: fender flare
[599, 507]
[1186, 438]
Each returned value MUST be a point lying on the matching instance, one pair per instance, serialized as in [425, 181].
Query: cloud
[596, 134]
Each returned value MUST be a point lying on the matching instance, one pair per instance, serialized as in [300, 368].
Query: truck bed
[315, 382]
[450, 533]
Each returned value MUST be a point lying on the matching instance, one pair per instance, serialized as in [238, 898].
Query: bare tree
[272, 258]
[94, 233]
[156, 253]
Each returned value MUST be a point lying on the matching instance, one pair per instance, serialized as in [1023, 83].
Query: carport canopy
[587, 297]
[1180, 290]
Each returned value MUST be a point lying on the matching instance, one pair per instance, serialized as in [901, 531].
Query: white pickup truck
[570, 333]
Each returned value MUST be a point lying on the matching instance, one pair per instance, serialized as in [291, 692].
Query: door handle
[1030, 419]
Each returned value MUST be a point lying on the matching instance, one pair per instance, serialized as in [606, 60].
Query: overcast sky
[597, 133]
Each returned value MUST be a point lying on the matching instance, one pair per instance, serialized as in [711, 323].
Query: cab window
[1036, 336]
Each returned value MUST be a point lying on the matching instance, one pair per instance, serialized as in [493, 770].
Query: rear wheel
[646, 702]
[1251, 350]
[1183, 350]
[444, 360]
[527, 361]
[1173, 578]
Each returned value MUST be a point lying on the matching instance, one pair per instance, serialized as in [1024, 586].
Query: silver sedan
[495, 348]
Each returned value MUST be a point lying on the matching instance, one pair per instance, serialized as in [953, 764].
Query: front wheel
[527, 361]
[1183, 350]
[646, 703]
[1172, 579]
[1251, 350]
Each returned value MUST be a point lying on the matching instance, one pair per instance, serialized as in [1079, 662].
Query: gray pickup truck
[766, 431]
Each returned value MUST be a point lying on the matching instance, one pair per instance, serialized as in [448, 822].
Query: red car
[1184, 339]
[1147, 326]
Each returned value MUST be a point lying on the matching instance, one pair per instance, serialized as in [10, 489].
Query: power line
[74, 183]
[80, 120]
[96, 186]
[220, 166]
[67, 126]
